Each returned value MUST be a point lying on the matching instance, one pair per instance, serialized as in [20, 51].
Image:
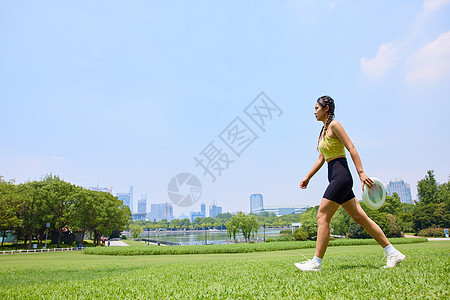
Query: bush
[356, 231]
[286, 231]
[432, 232]
[285, 238]
[269, 240]
[300, 234]
[123, 237]
[234, 248]
[394, 227]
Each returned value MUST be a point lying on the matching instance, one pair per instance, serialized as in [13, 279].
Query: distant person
[109, 243]
[332, 139]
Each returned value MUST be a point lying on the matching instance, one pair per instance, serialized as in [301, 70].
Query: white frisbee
[374, 197]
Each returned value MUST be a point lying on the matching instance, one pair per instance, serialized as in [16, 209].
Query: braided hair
[323, 102]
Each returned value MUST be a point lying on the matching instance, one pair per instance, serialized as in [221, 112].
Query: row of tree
[394, 217]
[270, 220]
[27, 208]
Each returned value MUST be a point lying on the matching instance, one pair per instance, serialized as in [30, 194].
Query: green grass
[347, 272]
[235, 248]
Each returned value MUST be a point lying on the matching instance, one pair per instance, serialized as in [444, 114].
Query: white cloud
[384, 60]
[430, 6]
[432, 62]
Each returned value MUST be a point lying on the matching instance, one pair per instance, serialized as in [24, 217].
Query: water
[199, 237]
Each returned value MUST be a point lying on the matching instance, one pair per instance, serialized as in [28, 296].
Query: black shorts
[340, 188]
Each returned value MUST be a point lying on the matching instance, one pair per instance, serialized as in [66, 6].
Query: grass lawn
[347, 272]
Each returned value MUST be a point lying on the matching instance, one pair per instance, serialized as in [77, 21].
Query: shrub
[432, 232]
[300, 234]
[286, 231]
[234, 248]
[356, 231]
[285, 238]
[269, 240]
[394, 227]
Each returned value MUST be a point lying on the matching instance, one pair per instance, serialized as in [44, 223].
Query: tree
[59, 197]
[392, 205]
[340, 222]
[10, 203]
[300, 234]
[309, 221]
[428, 189]
[247, 224]
[135, 230]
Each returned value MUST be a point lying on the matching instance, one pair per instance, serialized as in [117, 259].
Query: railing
[39, 250]
[161, 242]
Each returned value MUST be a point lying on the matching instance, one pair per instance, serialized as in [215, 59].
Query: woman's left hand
[365, 180]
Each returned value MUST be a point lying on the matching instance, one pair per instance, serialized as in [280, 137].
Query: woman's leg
[354, 209]
[326, 211]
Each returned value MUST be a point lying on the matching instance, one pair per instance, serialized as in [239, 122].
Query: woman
[332, 139]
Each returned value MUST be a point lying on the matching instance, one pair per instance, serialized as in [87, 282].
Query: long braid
[324, 101]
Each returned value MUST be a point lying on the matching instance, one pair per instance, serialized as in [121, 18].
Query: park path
[118, 243]
[429, 239]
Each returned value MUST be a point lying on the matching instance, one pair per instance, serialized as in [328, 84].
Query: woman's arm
[340, 133]
[316, 167]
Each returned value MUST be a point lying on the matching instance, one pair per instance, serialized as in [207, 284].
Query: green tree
[392, 205]
[59, 198]
[10, 203]
[340, 222]
[247, 224]
[300, 234]
[135, 230]
[428, 189]
[309, 221]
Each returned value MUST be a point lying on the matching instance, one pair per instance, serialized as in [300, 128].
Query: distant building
[100, 189]
[139, 216]
[202, 213]
[214, 210]
[203, 210]
[256, 201]
[127, 198]
[402, 189]
[282, 210]
[142, 204]
[161, 211]
[194, 215]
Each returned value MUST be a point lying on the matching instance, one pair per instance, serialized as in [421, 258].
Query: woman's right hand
[304, 183]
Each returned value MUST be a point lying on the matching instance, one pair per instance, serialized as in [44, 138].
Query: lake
[198, 237]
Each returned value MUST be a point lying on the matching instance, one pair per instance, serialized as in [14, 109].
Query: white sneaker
[308, 265]
[394, 260]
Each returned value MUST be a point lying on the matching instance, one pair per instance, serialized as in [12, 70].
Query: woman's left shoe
[308, 265]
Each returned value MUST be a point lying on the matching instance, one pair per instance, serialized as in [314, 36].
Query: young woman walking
[332, 139]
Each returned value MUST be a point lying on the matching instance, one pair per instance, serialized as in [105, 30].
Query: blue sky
[127, 93]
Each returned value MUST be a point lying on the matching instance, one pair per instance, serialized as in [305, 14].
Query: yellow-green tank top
[335, 147]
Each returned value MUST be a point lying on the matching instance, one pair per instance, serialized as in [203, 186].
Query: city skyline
[142, 93]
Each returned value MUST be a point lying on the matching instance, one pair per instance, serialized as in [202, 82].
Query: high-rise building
[125, 197]
[195, 214]
[401, 188]
[256, 201]
[214, 210]
[161, 211]
[131, 199]
[203, 210]
[142, 204]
